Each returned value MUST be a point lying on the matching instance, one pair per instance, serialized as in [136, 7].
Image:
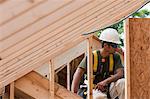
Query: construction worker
[108, 70]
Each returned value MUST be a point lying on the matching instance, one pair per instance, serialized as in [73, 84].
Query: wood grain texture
[127, 60]
[21, 95]
[90, 68]
[12, 91]
[68, 76]
[36, 86]
[139, 40]
[34, 31]
[69, 55]
[51, 79]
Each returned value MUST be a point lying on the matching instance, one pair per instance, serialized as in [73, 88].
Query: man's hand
[101, 85]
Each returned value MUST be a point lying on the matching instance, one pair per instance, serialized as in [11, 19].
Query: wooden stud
[72, 53]
[3, 97]
[12, 90]
[2, 92]
[89, 67]
[68, 76]
[127, 60]
[51, 79]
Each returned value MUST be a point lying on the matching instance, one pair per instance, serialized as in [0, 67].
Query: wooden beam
[12, 90]
[72, 53]
[2, 1]
[51, 79]
[68, 76]
[2, 92]
[47, 15]
[30, 47]
[96, 44]
[127, 60]
[42, 59]
[61, 60]
[21, 95]
[89, 67]
[37, 86]
[12, 11]
[34, 85]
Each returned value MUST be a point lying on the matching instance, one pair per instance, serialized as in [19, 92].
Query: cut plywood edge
[36, 86]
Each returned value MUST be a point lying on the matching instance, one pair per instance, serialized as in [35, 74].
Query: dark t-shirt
[117, 62]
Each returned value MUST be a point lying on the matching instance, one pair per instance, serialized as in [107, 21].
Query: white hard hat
[110, 35]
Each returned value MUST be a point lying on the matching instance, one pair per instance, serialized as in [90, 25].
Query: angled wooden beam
[12, 90]
[37, 86]
[68, 76]
[51, 79]
[72, 53]
[89, 67]
[61, 59]
[21, 95]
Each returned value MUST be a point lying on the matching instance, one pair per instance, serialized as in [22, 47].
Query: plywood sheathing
[138, 58]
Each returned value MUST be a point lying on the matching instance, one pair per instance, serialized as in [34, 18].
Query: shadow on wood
[36, 86]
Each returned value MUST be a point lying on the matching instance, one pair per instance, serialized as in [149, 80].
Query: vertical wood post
[127, 60]
[3, 96]
[2, 92]
[68, 76]
[89, 68]
[51, 79]
[12, 90]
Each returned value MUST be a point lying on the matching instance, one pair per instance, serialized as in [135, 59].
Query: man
[108, 81]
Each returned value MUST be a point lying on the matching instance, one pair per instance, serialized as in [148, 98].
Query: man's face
[110, 47]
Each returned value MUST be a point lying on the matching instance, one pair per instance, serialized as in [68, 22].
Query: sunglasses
[113, 45]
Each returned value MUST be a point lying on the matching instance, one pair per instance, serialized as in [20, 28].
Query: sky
[147, 6]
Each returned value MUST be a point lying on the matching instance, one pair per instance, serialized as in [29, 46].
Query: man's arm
[76, 79]
[119, 74]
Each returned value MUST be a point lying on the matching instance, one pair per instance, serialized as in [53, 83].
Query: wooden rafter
[37, 86]
[38, 37]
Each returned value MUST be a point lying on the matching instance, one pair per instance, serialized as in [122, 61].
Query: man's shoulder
[116, 54]
[97, 50]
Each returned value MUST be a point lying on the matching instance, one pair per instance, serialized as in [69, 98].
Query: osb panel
[139, 40]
